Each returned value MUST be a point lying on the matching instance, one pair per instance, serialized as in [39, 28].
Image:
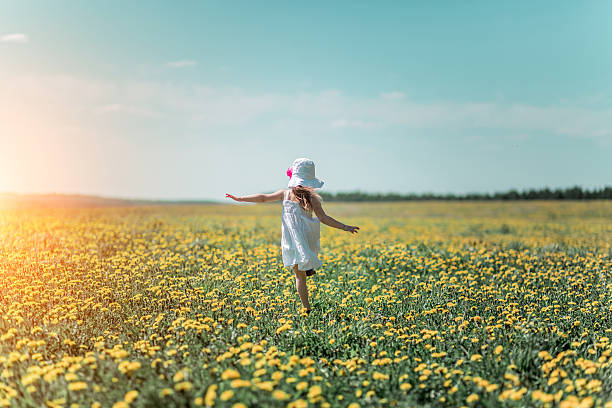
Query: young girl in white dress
[300, 230]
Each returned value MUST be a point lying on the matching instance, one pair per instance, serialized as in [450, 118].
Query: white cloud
[113, 107]
[182, 63]
[16, 38]
[140, 138]
[197, 108]
[395, 95]
[130, 110]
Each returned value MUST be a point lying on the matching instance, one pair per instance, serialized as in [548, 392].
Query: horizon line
[204, 199]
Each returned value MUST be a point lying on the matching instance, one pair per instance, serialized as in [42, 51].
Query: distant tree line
[571, 193]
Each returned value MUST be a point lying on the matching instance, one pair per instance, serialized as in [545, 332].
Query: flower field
[497, 304]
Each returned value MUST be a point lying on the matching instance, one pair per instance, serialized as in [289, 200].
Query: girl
[300, 231]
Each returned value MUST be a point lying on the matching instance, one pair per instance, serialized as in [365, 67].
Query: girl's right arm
[258, 198]
[327, 220]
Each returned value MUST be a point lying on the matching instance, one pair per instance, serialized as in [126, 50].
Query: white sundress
[300, 236]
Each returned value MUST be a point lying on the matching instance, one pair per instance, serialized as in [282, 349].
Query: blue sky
[195, 99]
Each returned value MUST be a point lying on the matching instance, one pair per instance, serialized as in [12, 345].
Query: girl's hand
[232, 197]
[351, 229]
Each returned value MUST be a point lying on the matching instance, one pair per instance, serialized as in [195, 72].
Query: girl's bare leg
[300, 284]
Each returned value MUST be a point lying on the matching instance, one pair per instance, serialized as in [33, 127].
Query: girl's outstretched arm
[258, 198]
[327, 220]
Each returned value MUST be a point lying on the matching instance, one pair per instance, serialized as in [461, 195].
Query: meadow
[441, 304]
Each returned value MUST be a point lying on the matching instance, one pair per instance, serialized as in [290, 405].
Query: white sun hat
[303, 173]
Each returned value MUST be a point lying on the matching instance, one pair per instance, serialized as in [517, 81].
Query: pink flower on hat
[289, 172]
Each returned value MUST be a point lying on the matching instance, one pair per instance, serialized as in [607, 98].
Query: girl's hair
[304, 196]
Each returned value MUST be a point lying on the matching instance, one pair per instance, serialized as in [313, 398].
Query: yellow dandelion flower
[71, 377]
[280, 395]
[183, 386]
[240, 383]
[77, 386]
[230, 374]
[299, 403]
[472, 398]
[380, 376]
[211, 394]
[130, 396]
[225, 395]
[314, 391]
[405, 386]
[265, 385]
[179, 376]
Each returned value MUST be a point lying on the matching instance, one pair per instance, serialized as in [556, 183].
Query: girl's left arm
[258, 198]
[327, 220]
